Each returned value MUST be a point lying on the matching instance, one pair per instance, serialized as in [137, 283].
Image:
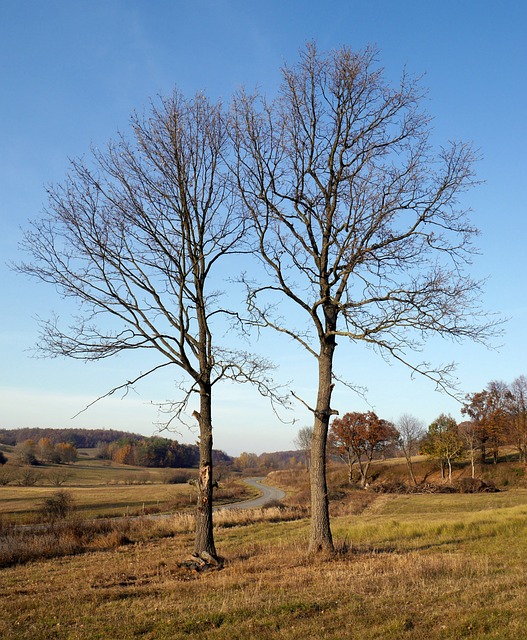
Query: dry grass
[110, 498]
[73, 536]
[21, 504]
[459, 575]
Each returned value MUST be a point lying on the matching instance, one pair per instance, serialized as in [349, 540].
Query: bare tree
[137, 239]
[411, 431]
[302, 442]
[470, 435]
[357, 223]
[518, 408]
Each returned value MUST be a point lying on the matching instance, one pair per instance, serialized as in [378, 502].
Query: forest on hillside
[37, 446]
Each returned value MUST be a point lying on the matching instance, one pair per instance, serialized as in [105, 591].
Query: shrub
[6, 476]
[28, 477]
[57, 477]
[474, 485]
[58, 506]
[177, 477]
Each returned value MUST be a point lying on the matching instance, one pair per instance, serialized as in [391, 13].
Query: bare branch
[126, 386]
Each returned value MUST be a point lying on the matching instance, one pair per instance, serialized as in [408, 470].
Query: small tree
[518, 418]
[3, 459]
[411, 432]
[444, 443]
[339, 442]
[6, 475]
[28, 477]
[66, 452]
[302, 442]
[102, 450]
[246, 461]
[58, 476]
[47, 452]
[25, 452]
[490, 410]
[470, 435]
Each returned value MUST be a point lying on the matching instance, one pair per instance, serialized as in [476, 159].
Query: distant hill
[80, 438]
[121, 446]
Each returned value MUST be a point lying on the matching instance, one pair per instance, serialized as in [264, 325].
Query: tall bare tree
[357, 223]
[138, 239]
[411, 432]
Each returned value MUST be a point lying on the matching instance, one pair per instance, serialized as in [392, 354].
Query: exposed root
[204, 561]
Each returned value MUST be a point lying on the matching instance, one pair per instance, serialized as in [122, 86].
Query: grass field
[408, 567]
[102, 489]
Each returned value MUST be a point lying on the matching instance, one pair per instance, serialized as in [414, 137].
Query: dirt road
[269, 494]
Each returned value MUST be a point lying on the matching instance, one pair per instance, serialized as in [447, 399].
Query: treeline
[55, 446]
[496, 418]
[266, 462]
[155, 452]
[79, 438]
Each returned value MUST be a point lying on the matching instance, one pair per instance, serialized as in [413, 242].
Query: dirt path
[377, 505]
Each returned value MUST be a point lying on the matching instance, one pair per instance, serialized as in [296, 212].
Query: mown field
[101, 488]
[444, 566]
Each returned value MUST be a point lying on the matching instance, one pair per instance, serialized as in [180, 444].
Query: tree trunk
[321, 538]
[364, 468]
[350, 467]
[204, 541]
[411, 470]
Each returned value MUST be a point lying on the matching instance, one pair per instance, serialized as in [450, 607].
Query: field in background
[101, 488]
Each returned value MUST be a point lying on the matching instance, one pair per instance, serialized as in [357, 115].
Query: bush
[23, 544]
[58, 506]
[28, 477]
[178, 477]
[58, 477]
[6, 476]
[474, 485]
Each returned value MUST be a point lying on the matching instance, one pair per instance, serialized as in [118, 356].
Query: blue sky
[71, 72]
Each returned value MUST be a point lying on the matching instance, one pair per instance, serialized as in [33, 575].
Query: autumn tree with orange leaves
[358, 437]
[490, 411]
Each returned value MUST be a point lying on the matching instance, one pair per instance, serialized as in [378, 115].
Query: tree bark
[204, 540]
